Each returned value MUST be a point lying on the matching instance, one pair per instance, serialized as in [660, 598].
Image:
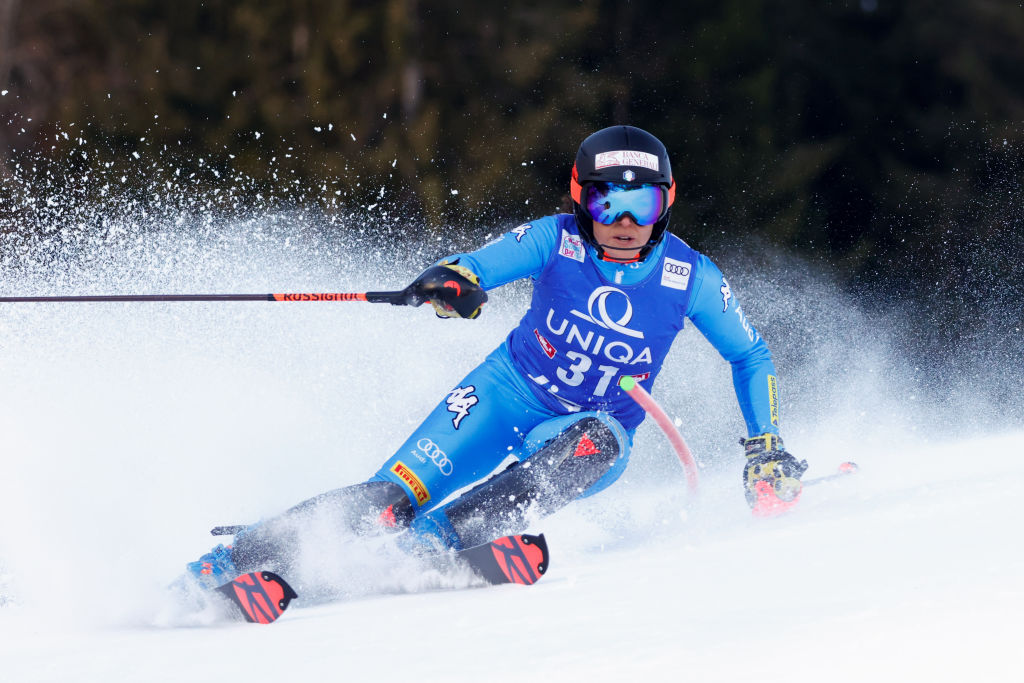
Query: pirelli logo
[773, 399]
[412, 481]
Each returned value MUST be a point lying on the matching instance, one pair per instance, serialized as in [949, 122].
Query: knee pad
[557, 473]
[550, 429]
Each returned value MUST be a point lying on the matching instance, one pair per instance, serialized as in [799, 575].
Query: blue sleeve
[522, 252]
[716, 312]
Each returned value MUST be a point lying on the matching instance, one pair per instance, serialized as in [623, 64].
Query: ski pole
[400, 298]
[845, 469]
[640, 395]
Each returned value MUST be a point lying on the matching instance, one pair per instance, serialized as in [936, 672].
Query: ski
[261, 596]
[521, 559]
[845, 469]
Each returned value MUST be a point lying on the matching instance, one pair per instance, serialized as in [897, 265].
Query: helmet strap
[603, 255]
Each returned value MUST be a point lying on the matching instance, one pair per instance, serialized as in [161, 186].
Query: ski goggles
[608, 202]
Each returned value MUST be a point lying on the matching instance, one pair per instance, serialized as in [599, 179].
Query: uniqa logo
[435, 454]
[598, 304]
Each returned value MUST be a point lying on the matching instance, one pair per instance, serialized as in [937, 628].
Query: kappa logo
[676, 274]
[726, 294]
[459, 401]
[597, 312]
[520, 232]
[571, 247]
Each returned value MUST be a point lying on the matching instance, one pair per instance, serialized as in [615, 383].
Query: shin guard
[360, 510]
[545, 482]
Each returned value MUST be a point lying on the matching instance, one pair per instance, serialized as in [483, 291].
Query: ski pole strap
[640, 395]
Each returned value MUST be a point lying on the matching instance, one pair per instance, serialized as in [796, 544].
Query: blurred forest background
[880, 140]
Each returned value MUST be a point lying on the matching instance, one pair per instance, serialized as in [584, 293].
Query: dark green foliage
[880, 138]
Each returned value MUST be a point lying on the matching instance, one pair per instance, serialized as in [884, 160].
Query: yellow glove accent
[442, 309]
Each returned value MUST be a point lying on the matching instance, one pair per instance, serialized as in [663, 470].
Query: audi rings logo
[434, 453]
[597, 312]
[676, 274]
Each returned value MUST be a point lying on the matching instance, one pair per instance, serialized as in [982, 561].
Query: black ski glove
[453, 290]
[768, 460]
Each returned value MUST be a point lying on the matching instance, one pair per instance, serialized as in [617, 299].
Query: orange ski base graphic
[262, 596]
[521, 559]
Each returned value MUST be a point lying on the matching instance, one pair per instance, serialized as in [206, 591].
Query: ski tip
[262, 596]
[848, 467]
[523, 559]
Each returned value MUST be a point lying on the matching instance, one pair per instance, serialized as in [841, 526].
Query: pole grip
[400, 298]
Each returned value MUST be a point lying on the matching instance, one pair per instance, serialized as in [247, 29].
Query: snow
[130, 430]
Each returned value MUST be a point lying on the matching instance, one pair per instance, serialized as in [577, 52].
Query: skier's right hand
[453, 290]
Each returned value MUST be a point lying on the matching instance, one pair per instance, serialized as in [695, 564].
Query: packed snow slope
[128, 430]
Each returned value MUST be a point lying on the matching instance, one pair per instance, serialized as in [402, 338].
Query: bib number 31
[581, 364]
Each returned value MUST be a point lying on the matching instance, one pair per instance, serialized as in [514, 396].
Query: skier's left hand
[453, 290]
[767, 460]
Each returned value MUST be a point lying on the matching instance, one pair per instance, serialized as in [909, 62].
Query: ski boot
[213, 569]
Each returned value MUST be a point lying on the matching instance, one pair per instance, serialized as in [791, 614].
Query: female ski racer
[611, 290]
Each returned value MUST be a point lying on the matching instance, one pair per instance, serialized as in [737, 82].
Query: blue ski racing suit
[590, 322]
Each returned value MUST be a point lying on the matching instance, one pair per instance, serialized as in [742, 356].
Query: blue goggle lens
[608, 202]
